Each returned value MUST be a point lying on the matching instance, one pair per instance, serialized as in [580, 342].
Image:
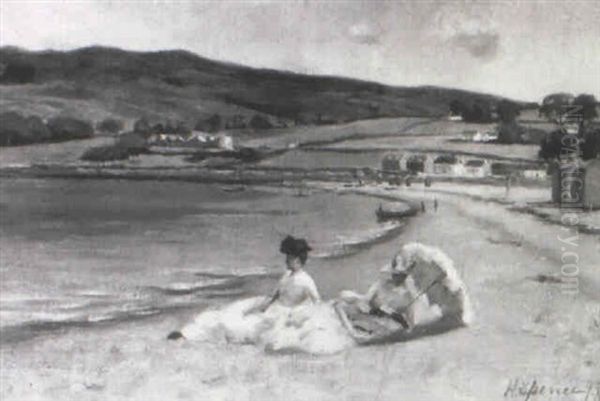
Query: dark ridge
[174, 83]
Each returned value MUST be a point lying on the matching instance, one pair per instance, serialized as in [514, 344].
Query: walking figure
[435, 204]
[422, 206]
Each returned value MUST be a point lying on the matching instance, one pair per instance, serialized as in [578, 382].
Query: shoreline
[135, 361]
[40, 329]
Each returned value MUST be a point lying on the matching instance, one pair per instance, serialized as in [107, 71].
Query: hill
[98, 82]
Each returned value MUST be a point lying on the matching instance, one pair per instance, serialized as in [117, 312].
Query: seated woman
[389, 302]
[296, 286]
[246, 318]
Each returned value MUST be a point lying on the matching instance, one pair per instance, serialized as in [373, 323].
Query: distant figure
[435, 204]
[422, 207]
[508, 183]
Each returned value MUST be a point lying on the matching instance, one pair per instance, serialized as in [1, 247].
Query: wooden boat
[238, 188]
[392, 214]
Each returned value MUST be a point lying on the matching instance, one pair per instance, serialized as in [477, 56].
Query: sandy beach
[525, 330]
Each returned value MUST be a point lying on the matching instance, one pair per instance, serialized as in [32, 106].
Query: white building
[477, 168]
[485, 137]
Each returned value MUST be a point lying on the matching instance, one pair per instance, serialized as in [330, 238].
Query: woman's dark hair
[295, 247]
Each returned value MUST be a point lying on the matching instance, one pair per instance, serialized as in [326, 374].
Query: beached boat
[237, 188]
[393, 213]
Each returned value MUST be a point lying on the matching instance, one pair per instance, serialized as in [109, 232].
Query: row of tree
[17, 129]
[477, 111]
[212, 124]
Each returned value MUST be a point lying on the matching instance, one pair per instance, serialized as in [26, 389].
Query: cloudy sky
[522, 49]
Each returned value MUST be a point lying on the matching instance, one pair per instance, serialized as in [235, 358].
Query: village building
[390, 163]
[469, 134]
[535, 174]
[485, 137]
[226, 142]
[477, 168]
[445, 164]
[416, 163]
[194, 139]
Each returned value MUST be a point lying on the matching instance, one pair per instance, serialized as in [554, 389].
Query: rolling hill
[98, 82]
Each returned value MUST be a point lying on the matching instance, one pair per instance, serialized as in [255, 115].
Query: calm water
[89, 251]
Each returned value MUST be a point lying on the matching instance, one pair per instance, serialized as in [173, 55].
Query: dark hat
[294, 246]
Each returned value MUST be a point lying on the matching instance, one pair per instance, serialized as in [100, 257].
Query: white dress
[294, 322]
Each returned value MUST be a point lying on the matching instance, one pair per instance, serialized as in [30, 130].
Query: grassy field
[441, 144]
[369, 129]
[49, 153]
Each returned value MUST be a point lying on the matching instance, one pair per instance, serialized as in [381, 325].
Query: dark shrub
[510, 132]
[65, 128]
[106, 153]
[127, 145]
[110, 125]
[16, 129]
[18, 73]
[260, 122]
[415, 164]
[212, 124]
[142, 126]
[249, 155]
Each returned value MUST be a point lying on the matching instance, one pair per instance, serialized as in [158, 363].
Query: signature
[529, 390]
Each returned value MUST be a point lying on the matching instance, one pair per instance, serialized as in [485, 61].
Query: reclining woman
[386, 307]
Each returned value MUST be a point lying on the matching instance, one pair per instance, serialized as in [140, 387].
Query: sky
[516, 48]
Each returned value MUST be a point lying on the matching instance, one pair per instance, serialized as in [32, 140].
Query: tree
[181, 128]
[508, 111]
[260, 122]
[212, 124]
[110, 125]
[415, 164]
[586, 106]
[18, 73]
[16, 129]
[510, 132]
[555, 106]
[590, 144]
[65, 128]
[508, 129]
[481, 112]
[142, 126]
[457, 107]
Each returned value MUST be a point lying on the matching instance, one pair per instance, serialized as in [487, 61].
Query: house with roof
[535, 173]
[390, 163]
[477, 168]
[445, 164]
